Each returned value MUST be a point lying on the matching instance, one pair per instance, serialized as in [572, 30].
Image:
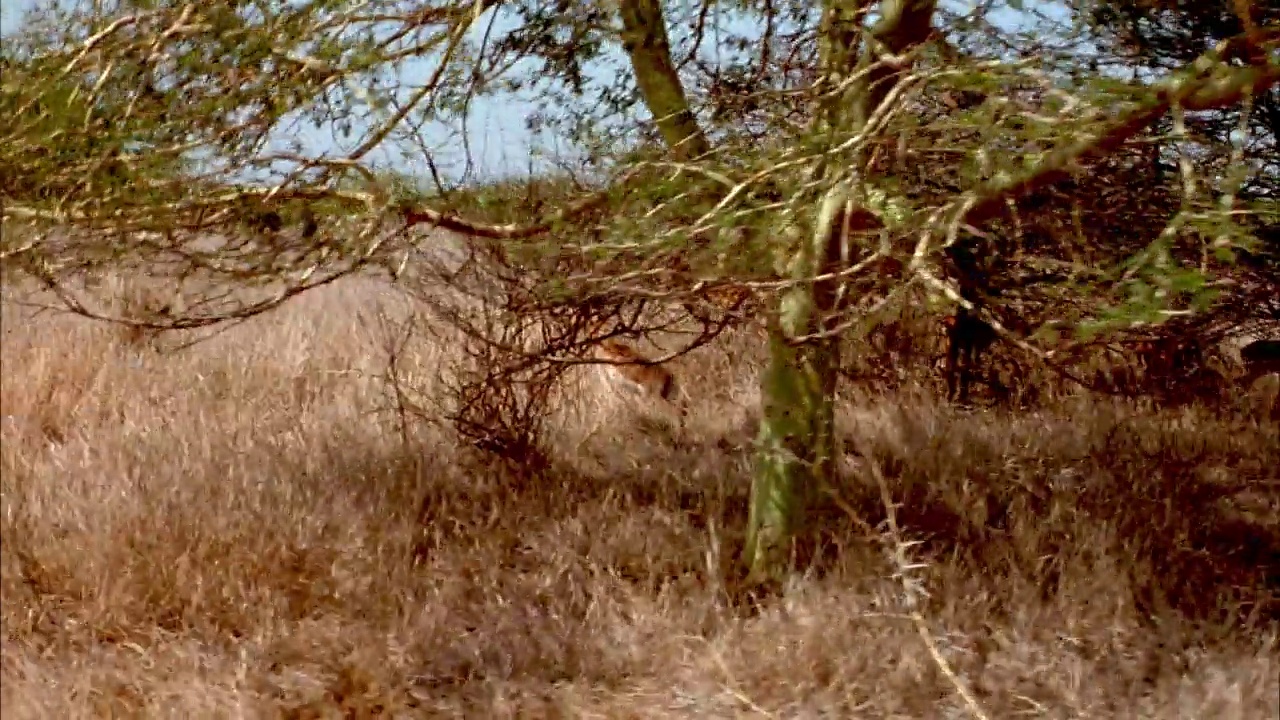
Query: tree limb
[1216, 92]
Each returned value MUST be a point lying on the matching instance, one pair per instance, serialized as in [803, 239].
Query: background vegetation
[289, 430]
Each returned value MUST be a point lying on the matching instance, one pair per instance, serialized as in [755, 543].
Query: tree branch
[458, 224]
[1217, 92]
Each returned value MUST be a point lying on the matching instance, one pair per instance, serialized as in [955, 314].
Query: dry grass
[236, 531]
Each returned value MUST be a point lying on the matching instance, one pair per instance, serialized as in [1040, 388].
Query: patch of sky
[492, 138]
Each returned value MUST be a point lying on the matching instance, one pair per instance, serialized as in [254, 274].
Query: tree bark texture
[797, 445]
[644, 38]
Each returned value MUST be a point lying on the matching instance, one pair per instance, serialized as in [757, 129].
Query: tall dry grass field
[241, 530]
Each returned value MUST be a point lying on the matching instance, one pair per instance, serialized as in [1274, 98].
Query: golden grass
[239, 531]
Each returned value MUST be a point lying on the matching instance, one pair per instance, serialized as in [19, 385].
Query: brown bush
[240, 529]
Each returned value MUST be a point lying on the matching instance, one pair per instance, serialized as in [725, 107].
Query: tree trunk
[796, 448]
[797, 445]
[644, 37]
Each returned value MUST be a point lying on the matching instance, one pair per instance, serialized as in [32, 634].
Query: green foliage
[64, 142]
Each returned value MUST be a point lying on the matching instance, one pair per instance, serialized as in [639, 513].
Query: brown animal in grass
[638, 369]
[968, 336]
[1261, 357]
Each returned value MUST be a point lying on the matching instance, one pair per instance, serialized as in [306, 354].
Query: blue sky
[10, 11]
[499, 142]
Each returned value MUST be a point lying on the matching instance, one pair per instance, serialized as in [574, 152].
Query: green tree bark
[644, 38]
[797, 445]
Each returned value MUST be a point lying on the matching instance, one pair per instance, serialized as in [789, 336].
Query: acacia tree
[782, 173]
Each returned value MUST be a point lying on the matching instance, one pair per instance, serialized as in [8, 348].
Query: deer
[968, 337]
[1260, 357]
[637, 369]
[1165, 361]
[653, 380]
